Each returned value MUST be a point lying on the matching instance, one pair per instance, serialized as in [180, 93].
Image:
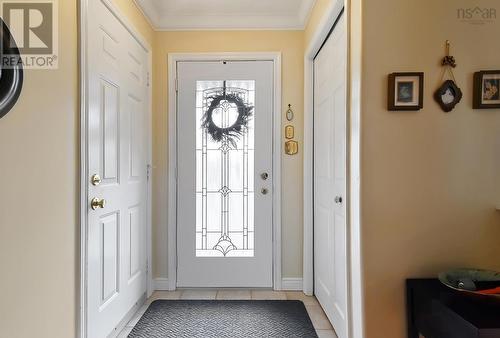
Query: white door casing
[330, 227]
[117, 99]
[241, 266]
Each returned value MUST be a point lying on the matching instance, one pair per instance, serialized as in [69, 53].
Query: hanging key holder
[448, 95]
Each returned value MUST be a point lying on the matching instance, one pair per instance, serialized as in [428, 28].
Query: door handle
[97, 203]
[264, 191]
[264, 176]
[338, 199]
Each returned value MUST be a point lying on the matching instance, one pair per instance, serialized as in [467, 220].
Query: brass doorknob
[97, 203]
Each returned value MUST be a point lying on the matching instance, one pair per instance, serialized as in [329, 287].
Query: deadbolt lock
[96, 180]
[97, 203]
[291, 147]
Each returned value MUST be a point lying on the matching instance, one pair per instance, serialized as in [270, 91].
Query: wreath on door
[234, 131]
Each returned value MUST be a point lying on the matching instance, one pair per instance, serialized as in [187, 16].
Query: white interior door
[117, 153]
[224, 179]
[330, 254]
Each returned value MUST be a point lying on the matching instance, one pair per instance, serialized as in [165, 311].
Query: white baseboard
[287, 284]
[291, 284]
[161, 284]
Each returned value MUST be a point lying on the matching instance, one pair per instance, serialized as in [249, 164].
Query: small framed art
[486, 89]
[448, 95]
[406, 91]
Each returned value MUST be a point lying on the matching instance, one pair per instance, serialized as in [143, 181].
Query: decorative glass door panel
[224, 146]
[225, 168]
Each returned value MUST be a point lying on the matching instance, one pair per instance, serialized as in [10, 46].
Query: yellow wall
[130, 10]
[290, 43]
[39, 166]
[38, 198]
[429, 179]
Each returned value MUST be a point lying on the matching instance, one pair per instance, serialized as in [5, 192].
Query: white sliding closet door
[330, 253]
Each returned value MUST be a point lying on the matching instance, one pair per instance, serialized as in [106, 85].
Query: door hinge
[176, 84]
[148, 81]
[148, 171]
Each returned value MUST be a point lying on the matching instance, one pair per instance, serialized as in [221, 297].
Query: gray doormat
[224, 318]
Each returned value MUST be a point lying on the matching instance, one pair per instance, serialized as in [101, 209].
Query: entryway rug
[225, 318]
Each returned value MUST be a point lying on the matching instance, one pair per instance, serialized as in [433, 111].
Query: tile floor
[318, 317]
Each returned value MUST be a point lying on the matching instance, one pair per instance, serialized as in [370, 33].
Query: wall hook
[448, 60]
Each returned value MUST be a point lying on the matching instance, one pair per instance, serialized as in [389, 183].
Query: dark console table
[435, 311]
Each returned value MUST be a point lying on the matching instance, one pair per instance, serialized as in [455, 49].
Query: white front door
[224, 174]
[117, 173]
[330, 253]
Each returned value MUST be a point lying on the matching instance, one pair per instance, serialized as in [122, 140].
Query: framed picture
[486, 89]
[406, 91]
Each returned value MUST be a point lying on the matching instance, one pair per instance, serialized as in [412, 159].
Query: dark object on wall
[11, 76]
[434, 310]
[405, 91]
[448, 95]
[221, 129]
[486, 89]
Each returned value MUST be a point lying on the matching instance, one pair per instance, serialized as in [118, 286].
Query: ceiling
[226, 14]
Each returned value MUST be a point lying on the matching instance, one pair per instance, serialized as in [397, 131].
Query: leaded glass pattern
[224, 175]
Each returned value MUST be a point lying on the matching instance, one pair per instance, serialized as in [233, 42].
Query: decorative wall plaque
[448, 95]
[11, 77]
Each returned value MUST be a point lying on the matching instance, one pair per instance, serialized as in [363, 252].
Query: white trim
[149, 205]
[172, 175]
[127, 24]
[84, 174]
[161, 284]
[224, 22]
[291, 284]
[145, 9]
[82, 43]
[317, 40]
[305, 12]
[354, 62]
[127, 318]
[355, 287]
[173, 58]
[160, 20]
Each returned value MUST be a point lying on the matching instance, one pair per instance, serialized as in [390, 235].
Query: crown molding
[305, 12]
[161, 21]
[149, 11]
